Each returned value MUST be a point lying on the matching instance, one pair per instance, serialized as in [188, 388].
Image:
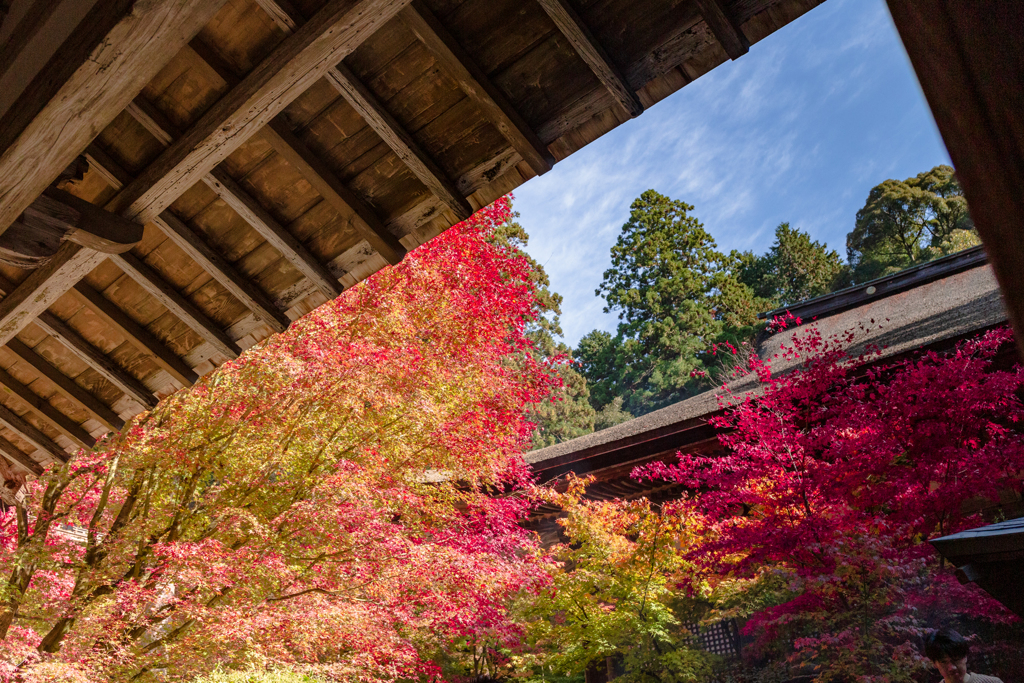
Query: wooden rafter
[136, 334]
[65, 385]
[323, 180]
[176, 303]
[45, 285]
[380, 120]
[150, 280]
[46, 412]
[28, 432]
[475, 84]
[73, 98]
[276, 234]
[593, 53]
[728, 33]
[19, 457]
[209, 260]
[245, 206]
[96, 359]
[299, 61]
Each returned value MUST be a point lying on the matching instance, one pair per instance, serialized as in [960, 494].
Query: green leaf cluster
[907, 222]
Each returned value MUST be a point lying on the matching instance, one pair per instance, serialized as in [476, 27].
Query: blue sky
[799, 130]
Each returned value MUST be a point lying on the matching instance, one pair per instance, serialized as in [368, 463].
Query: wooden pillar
[969, 61]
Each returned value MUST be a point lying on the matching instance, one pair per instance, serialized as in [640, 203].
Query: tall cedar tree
[676, 296]
[567, 413]
[907, 222]
[794, 269]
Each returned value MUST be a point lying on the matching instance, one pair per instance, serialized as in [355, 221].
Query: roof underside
[278, 153]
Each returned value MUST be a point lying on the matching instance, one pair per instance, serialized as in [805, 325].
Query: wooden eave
[279, 152]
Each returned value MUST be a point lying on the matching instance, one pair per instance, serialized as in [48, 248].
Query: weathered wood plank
[29, 432]
[314, 170]
[150, 280]
[135, 333]
[120, 46]
[398, 139]
[216, 265]
[276, 234]
[65, 385]
[379, 119]
[593, 53]
[729, 34]
[474, 82]
[19, 457]
[291, 68]
[45, 285]
[176, 303]
[95, 358]
[46, 412]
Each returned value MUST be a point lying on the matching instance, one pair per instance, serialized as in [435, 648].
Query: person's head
[948, 651]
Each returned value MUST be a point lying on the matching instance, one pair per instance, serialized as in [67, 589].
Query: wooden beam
[46, 412]
[134, 332]
[968, 59]
[28, 28]
[457, 63]
[58, 216]
[149, 279]
[366, 104]
[45, 285]
[243, 204]
[176, 303]
[300, 60]
[728, 33]
[28, 432]
[323, 180]
[66, 386]
[223, 272]
[593, 53]
[95, 358]
[74, 97]
[19, 457]
[273, 232]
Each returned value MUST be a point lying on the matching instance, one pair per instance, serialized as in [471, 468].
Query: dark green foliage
[676, 295]
[568, 414]
[795, 268]
[906, 222]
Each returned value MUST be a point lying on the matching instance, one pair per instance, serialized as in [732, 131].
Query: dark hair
[945, 643]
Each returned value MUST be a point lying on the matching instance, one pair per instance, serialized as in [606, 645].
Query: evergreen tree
[907, 222]
[795, 268]
[676, 295]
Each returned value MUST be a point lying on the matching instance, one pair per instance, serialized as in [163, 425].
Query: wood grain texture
[377, 117]
[65, 385]
[105, 63]
[314, 170]
[290, 69]
[19, 457]
[970, 65]
[31, 434]
[593, 53]
[474, 82]
[728, 32]
[216, 265]
[46, 412]
[135, 333]
[176, 303]
[45, 285]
